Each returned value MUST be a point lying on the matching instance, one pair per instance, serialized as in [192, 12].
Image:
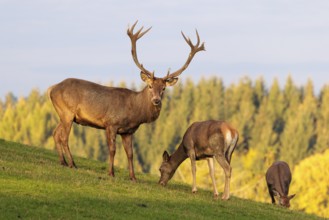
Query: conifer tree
[243, 117]
[298, 138]
[322, 129]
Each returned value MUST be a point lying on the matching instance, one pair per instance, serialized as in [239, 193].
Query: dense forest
[276, 122]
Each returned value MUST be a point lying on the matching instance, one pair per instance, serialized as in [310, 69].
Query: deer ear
[276, 193]
[145, 77]
[165, 156]
[291, 196]
[171, 81]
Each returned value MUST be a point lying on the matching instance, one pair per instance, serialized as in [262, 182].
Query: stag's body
[203, 140]
[117, 110]
[121, 112]
[278, 178]
[79, 100]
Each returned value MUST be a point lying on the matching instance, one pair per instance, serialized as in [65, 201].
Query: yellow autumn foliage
[311, 184]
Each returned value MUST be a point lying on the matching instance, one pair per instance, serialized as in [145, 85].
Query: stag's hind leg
[227, 170]
[67, 129]
[59, 145]
[61, 137]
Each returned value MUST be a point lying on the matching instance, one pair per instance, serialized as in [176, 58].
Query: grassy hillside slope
[34, 186]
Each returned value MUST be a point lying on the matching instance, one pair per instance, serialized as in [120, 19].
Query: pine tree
[322, 129]
[298, 138]
[242, 117]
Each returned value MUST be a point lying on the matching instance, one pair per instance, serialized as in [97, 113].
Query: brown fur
[278, 178]
[203, 140]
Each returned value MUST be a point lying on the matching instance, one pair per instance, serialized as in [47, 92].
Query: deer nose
[156, 101]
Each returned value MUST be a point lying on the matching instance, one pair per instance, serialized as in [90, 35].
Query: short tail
[229, 152]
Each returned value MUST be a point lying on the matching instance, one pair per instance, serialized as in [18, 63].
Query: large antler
[134, 38]
[194, 49]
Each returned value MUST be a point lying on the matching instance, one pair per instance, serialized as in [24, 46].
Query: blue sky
[45, 41]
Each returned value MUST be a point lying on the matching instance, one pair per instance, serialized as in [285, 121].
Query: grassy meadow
[34, 186]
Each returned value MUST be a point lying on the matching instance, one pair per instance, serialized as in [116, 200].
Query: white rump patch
[228, 139]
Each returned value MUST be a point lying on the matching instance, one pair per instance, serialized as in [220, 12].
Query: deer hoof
[73, 166]
[64, 164]
[216, 196]
[194, 190]
[225, 197]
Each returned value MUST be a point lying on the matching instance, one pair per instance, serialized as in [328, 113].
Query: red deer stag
[278, 178]
[117, 110]
[203, 140]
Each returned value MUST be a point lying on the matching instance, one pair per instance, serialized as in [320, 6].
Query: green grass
[34, 186]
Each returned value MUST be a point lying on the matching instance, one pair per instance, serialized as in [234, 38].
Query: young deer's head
[284, 200]
[166, 169]
[156, 86]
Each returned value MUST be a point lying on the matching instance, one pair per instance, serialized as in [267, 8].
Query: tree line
[276, 122]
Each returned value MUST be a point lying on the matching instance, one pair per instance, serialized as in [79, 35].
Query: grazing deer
[278, 178]
[117, 110]
[203, 140]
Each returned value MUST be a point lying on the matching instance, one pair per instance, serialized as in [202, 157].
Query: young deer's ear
[171, 81]
[146, 78]
[276, 193]
[165, 156]
[291, 196]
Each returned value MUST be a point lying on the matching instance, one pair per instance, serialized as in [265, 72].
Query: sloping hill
[34, 186]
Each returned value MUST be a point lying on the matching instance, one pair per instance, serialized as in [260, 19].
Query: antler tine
[134, 37]
[168, 71]
[194, 49]
[141, 34]
[187, 39]
[197, 35]
[198, 43]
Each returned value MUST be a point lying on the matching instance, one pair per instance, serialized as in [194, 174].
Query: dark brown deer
[203, 140]
[278, 178]
[117, 110]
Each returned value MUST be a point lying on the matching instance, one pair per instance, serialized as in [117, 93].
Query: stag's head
[157, 85]
[166, 169]
[284, 200]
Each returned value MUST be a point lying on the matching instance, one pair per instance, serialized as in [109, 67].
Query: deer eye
[150, 87]
[164, 88]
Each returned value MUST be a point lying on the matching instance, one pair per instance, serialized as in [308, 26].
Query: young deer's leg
[111, 135]
[271, 193]
[193, 166]
[65, 140]
[227, 169]
[59, 145]
[127, 144]
[212, 175]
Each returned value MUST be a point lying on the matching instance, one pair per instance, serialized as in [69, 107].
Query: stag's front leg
[212, 175]
[111, 135]
[127, 144]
